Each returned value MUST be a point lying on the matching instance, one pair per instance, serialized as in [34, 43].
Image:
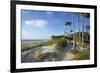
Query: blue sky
[44, 24]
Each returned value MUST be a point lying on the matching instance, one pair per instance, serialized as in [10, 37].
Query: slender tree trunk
[82, 30]
[87, 33]
[74, 45]
[79, 30]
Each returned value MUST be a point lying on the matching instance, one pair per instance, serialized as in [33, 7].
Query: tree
[87, 27]
[74, 42]
[79, 35]
[79, 29]
[65, 26]
[87, 15]
[82, 29]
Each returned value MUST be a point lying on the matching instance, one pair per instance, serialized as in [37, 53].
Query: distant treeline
[70, 37]
[62, 36]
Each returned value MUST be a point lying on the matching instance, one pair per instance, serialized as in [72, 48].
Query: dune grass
[42, 56]
[52, 41]
[74, 51]
[25, 48]
[83, 55]
[61, 44]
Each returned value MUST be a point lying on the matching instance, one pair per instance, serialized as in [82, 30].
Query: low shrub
[83, 55]
[61, 44]
[52, 41]
[74, 51]
[24, 48]
[62, 36]
[41, 57]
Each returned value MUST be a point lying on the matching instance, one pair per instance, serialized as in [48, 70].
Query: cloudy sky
[44, 24]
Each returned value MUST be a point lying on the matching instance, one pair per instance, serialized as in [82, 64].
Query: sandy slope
[31, 55]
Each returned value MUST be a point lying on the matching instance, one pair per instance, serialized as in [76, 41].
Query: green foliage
[87, 27]
[62, 36]
[86, 37]
[69, 38]
[74, 51]
[24, 48]
[61, 44]
[57, 37]
[41, 57]
[83, 55]
[85, 45]
[52, 41]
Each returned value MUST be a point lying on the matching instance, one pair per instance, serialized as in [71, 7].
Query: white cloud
[37, 23]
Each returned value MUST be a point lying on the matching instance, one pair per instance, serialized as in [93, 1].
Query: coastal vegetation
[71, 45]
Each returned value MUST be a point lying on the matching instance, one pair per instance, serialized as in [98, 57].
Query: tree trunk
[79, 30]
[74, 45]
[82, 30]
